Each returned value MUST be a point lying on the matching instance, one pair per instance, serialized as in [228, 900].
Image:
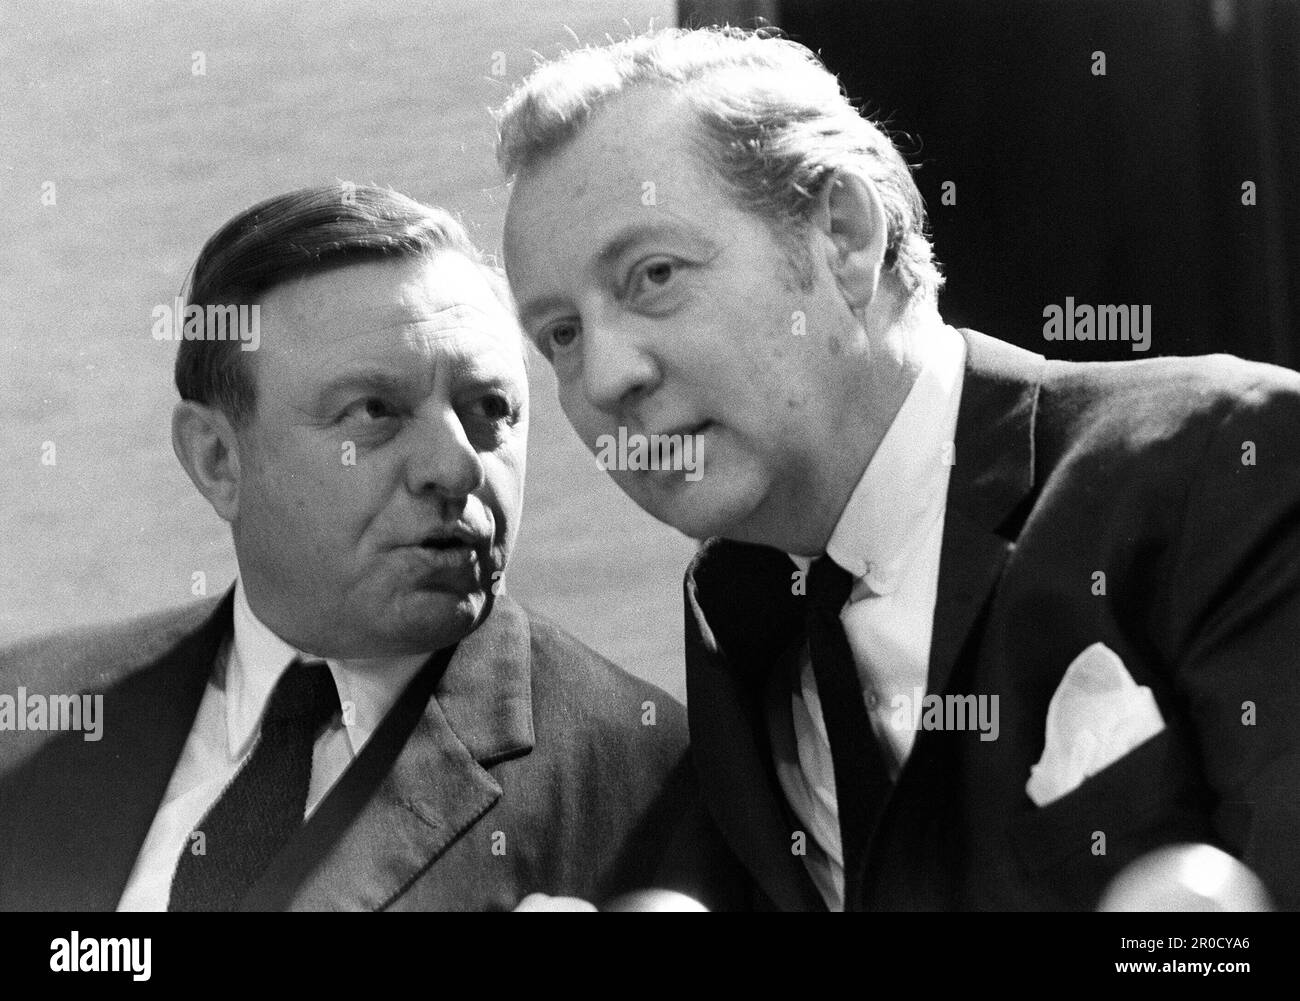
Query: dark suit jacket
[523, 766]
[1134, 469]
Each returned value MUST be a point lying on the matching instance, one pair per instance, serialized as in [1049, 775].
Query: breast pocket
[1070, 849]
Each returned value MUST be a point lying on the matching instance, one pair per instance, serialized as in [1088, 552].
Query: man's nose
[442, 459]
[617, 368]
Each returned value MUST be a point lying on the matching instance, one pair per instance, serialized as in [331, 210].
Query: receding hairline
[700, 149]
[422, 257]
[776, 123]
[531, 156]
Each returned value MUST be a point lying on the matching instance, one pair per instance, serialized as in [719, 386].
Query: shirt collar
[367, 687]
[903, 488]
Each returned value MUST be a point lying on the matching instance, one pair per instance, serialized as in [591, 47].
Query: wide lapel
[993, 472]
[419, 783]
[88, 805]
[739, 620]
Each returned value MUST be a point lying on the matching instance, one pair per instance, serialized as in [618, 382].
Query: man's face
[664, 309]
[381, 477]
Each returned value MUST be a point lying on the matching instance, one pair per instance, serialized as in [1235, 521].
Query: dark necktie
[861, 778]
[263, 806]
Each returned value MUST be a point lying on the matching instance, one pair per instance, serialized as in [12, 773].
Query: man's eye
[559, 336]
[651, 276]
[496, 407]
[659, 272]
[370, 409]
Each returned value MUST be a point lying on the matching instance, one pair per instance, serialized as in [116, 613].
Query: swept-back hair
[294, 234]
[775, 125]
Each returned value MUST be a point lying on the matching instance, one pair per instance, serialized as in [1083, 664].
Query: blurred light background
[147, 161]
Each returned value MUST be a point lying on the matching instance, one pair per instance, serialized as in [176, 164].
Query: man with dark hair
[973, 629]
[365, 720]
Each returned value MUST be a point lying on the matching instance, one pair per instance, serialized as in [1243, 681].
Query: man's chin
[699, 510]
[426, 620]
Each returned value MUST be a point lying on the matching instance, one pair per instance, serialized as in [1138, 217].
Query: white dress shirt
[889, 538]
[225, 731]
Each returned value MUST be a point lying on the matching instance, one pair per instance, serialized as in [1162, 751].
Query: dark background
[1116, 189]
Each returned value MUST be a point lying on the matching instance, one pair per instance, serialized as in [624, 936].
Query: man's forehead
[463, 329]
[388, 307]
[633, 144]
[614, 185]
[448, 289]
[446, 275]
[642, 129]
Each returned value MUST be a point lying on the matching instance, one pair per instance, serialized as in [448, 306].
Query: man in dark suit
[366, 720]
[974, 630]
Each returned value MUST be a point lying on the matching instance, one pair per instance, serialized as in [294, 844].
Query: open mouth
[447, 559]
[445, 543]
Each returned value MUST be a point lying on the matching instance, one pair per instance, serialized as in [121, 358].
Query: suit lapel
[991, 481]
[737, 626]
[992, 474]
[420, 782]
[90, 804]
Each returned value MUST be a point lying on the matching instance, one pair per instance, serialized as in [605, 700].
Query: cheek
[318, 492]
[503, 485]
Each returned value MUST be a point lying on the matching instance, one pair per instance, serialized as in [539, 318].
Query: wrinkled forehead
[445, 292]
[645, 134]
[403, 311]
[637, 164]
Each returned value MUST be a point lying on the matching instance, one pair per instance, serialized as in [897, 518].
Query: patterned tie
[263, 806]
[861, 778]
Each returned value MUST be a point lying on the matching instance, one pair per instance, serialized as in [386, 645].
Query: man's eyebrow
[624, 239]
[614, 248]
[540, 307]
[378, 379]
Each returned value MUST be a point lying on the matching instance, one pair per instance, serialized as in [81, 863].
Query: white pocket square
[1097, 715]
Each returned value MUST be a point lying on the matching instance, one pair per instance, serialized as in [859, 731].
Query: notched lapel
[992, 474]
[421, 782]
[972, 562]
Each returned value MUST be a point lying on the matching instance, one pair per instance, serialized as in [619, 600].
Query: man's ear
[849, 213]
[204, 440]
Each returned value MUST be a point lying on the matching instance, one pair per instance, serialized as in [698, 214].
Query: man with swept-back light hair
[773, 122]
[960, 607]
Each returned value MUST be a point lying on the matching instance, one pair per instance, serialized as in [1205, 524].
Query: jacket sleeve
[1234, 628]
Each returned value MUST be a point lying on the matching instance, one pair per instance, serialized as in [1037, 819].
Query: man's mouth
[679, 452]
[693, 429]
[444, 544]
[447, 562]
[456, 537]
[455, 556]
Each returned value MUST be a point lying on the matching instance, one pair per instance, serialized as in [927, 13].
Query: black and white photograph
[651, 456]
